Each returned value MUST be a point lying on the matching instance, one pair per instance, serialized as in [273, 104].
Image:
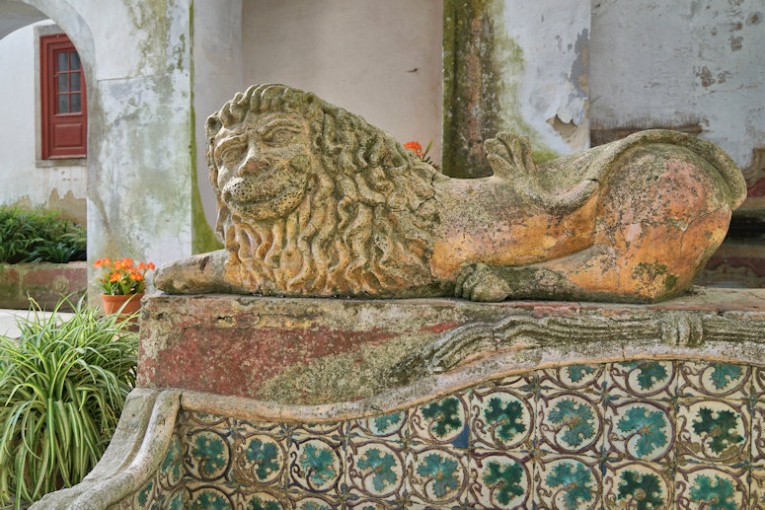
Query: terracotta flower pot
[125, 305]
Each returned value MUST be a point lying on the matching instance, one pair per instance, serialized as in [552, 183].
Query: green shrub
[63, 384]
[36, 235]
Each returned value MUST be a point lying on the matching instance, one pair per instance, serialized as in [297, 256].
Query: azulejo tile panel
[640, 435]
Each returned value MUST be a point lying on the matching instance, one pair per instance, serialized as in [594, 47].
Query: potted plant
[122, 283]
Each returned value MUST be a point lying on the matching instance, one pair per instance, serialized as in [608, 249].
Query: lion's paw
[479, 282]
[509, 155]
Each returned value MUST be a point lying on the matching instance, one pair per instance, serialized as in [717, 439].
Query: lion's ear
[213, 124]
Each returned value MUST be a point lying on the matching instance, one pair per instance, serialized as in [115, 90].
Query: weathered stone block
[312, 351]
[44, 282]
[9, 285]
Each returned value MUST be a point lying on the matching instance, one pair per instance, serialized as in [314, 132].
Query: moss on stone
[483, 69]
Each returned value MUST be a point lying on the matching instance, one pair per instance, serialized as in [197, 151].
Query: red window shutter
[64, 108]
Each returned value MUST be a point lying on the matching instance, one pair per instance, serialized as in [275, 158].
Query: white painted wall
[22, 179]
[552, 79]
[659, 63]
[380, 59]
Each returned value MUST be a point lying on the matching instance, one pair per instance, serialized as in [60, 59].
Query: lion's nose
[252, 163]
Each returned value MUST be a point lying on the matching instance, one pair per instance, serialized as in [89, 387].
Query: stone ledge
[316, 351]
[44, 282]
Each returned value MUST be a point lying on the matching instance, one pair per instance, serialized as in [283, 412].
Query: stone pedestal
[248, 402]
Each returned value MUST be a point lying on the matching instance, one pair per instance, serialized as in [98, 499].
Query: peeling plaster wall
[140, 186]
[136, 57]
[378, 59]
[550, 93]
[22, 180]
[658, 63]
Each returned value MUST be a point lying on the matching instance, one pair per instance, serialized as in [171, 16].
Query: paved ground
[8, 320]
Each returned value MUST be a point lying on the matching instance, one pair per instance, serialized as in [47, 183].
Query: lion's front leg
[199, 274]
[479, 282]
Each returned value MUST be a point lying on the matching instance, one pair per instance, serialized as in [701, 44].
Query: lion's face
[263, 165]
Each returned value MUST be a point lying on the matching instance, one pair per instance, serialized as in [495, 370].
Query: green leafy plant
[63, 384]
[37, 235]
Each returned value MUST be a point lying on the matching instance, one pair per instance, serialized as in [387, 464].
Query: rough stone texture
[314, 201]
[311, 351]
[46, 283]
[137, 449]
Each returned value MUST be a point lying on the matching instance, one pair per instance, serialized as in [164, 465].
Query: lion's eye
[279, 136]
[232, 154]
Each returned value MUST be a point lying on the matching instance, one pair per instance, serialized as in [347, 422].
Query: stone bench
[267, 403]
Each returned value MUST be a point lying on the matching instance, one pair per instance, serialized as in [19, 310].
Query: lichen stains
[706, 77]
[471, 86]
[483, 72]
[150, 17]
[736, 43]
[580, 68]
[651, 272]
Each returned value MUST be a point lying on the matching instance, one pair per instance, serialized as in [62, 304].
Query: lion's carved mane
[365, 224]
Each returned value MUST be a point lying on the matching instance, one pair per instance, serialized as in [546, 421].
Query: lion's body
[353, 213]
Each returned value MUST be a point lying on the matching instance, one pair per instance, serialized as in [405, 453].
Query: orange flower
[414, 147]
[102, 262]
[115, 277]
[135, 276]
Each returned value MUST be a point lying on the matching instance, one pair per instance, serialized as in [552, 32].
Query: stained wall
[25, 179]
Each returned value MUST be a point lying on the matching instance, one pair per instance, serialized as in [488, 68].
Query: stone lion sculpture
[314, 201]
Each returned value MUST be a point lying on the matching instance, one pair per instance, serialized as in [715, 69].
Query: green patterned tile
[441, 421]
[316, 465]
[503, 415]
[567, 483]
[569, 423]
[640, 430]
[437, 476]
[713, 431]
[634, 485]
[702, 487]
[500, 479]
[642, 379]
[375, 469]
[714, 379]
[208, 455]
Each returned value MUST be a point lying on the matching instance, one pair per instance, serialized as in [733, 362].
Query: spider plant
[63, 384]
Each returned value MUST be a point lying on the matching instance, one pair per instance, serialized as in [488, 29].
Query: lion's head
[314, 200]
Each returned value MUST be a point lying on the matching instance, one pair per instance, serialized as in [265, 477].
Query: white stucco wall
[545, 69]
[136, 57]
[24, 180]
[658, 63]
[380, 59]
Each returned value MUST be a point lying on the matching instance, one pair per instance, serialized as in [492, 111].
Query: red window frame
[64, 106]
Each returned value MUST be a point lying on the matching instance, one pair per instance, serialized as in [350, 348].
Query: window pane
[76, 103]
[61, 61]
[63, 83]
[74, 59]
[63, 104]
[74, 78]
